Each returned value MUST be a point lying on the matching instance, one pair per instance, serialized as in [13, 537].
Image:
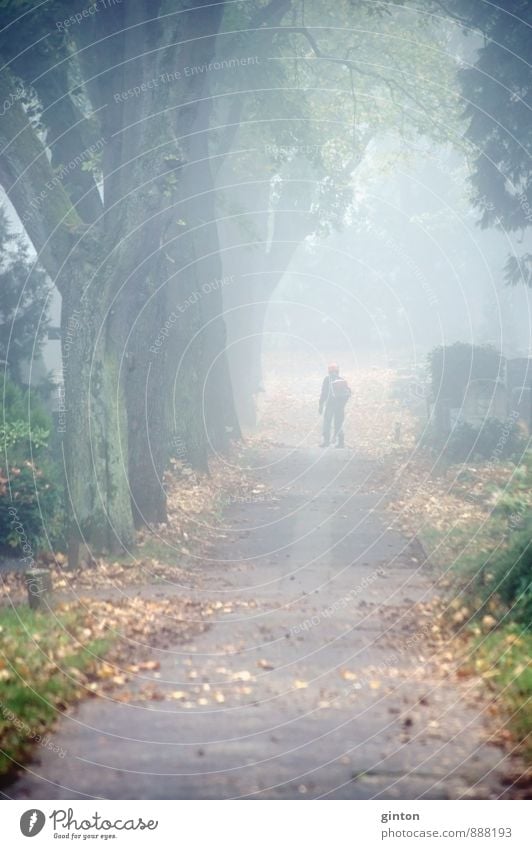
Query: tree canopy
[497, 89]
[166, 160]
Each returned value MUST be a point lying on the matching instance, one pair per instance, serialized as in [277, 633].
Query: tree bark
[93, 427]
[118, 307]
[219, 416]
[165, 375]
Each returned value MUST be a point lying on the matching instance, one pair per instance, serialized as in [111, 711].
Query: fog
[266, 343]
[411, 270]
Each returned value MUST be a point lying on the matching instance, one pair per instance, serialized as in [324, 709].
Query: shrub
[453, 367]
[510, 574]
[466, 443]
[31, 509]
[514, 500]
[18, 405]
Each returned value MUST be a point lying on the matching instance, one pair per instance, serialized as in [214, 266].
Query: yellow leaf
[242, 676]
[347, 675]
[106, 671]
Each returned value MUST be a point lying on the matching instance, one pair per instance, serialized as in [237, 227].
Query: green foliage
[505, 655]
[31, 510]
[512, 574]
[467, 443]
[31, 515]
[498, 95]
[515, 500]
[323, 91]
[519, 269]
[453, 367]
[501, 580]
[498, 564]
[24, 423]
[16, 433]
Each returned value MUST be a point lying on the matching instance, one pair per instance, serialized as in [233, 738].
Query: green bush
[19, 437]
[453, 367]
[18, 405]
[31, 513]
[466, 443]
[31, 503]
[514, 500]
[508, 574]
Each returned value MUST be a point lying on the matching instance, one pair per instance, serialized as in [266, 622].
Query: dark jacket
[327, 392]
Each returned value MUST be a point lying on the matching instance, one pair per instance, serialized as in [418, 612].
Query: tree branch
[454, 16]
[351, 65]
[36, 193]
[270, 14]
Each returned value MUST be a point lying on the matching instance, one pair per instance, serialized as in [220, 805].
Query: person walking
[335, 393]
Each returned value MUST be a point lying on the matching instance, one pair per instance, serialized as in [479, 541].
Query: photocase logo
[32, 822]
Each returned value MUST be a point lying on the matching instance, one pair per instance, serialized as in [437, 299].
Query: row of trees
[166, 159]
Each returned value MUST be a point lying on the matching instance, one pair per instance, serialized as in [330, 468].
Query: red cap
[333, 367]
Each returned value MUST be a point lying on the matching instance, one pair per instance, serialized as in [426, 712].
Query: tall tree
[497, 89]
[98, 179]
[327, 83]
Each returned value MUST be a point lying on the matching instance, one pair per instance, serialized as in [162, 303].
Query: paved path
[315, 681]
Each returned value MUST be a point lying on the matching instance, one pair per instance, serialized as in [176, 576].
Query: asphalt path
[318, 677]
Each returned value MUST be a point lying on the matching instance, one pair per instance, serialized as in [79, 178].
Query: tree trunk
[245, 358]
[148, 401]
[148, 205]
[258, 245]
[205, 270]
[94, 427]
[142, 160]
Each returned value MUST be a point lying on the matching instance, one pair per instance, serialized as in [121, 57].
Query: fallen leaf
[149, 665]
[347, 675]
[244, 675]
